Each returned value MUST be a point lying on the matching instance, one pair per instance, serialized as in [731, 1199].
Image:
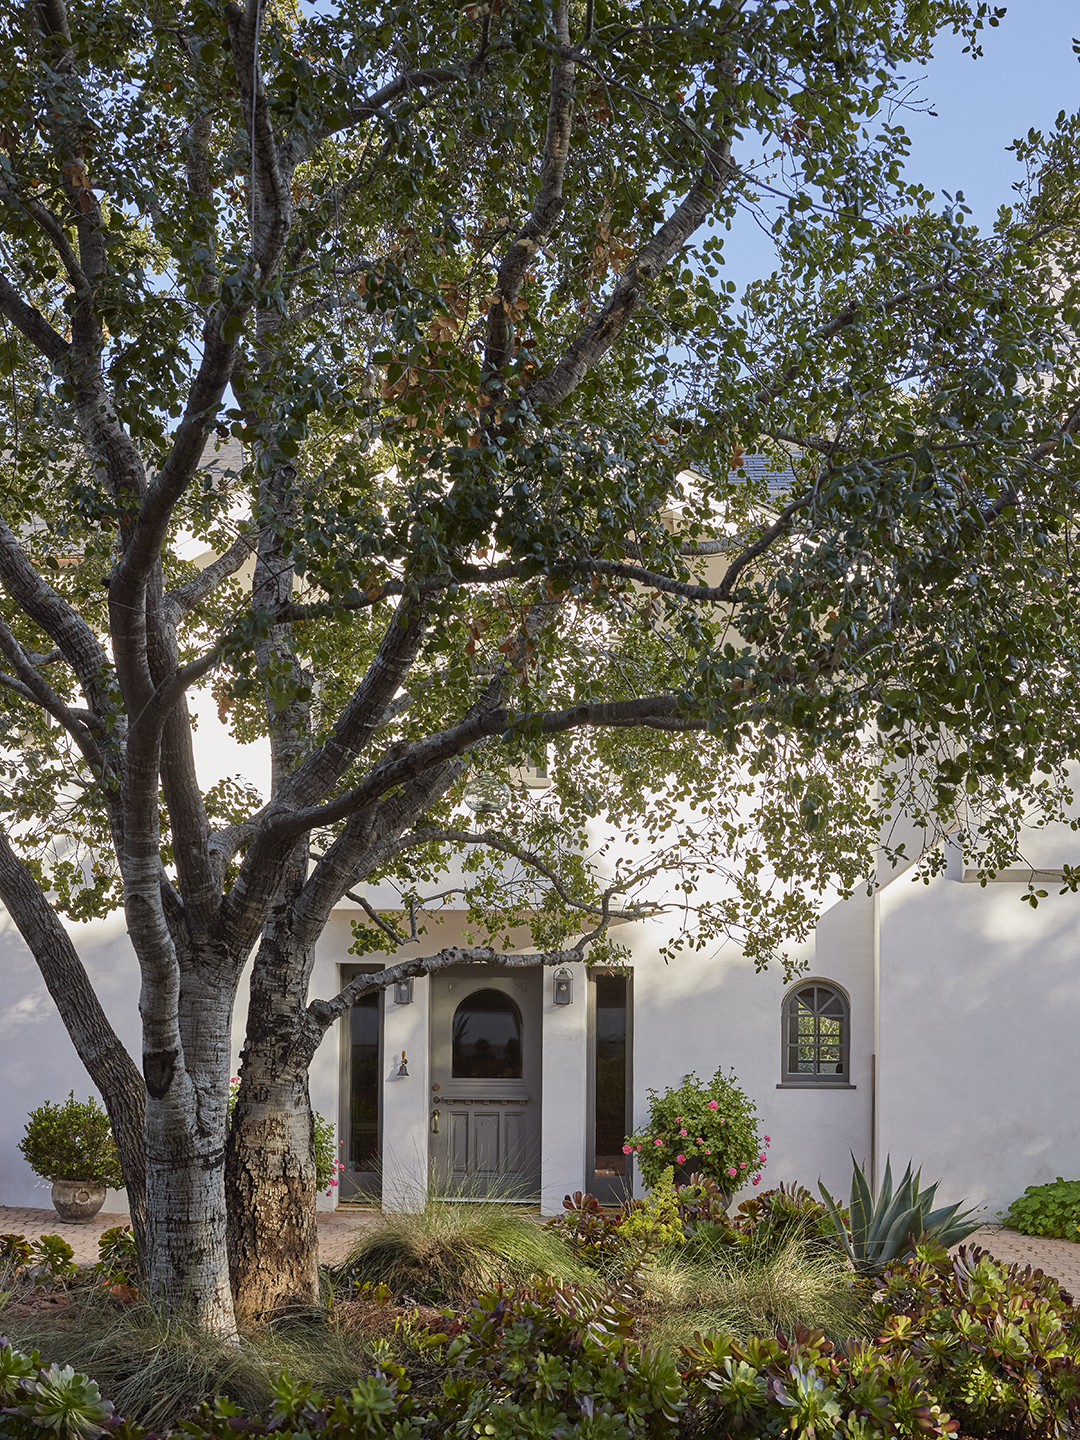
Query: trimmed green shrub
[710, 1125]
[1047, 1210]
[72, 1141]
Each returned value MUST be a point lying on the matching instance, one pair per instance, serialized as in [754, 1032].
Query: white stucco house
[947, 1017]
[932, 1022]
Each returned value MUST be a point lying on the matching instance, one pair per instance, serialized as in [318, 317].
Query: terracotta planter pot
[77, 1199]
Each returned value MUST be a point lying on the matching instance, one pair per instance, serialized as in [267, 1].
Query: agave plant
[884, 1229]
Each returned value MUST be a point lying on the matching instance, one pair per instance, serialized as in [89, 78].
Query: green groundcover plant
[710, 1126]
[72, 1141]
[1047, 1210]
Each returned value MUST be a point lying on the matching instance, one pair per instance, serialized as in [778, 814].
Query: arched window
[816, 1035]
[487, 1037]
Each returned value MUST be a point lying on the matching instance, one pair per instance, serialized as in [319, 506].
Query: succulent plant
[67, 1403]
[881, 1230]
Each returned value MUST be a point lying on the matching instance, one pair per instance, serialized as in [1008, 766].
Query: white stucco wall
[711, 1008]
[980, 1010]
[37, 1059]
[563, 1119]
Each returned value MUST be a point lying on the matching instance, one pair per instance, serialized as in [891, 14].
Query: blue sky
[1026, 75]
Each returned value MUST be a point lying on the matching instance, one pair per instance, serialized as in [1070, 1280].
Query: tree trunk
[270, 1184]
[186, 1112]
[270, 1159]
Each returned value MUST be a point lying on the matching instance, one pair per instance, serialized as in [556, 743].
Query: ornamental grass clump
[745, 1290]
[708, 1126]
[453, 1250]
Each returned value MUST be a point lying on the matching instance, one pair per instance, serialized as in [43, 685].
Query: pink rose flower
[701, 1139]
[627, 1149]
[709, 1152]
[682, 1132]
[658, 1142]
[767, 1140]
[757, 1179]
[732, 1170]
[678, 1119]
[680, 1159]
[761, 1159]
[742, 1164]
[714, 1105]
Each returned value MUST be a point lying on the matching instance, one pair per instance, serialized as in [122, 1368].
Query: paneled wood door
[484, 1119]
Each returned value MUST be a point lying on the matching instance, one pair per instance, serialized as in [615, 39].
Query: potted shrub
[703, 1127]
[71, 1145]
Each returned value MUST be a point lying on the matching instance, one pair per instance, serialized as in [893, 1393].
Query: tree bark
[186, 1110]
[270, 1153]
[270, 1190]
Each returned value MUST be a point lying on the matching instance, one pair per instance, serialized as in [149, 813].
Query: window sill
[816, 1085]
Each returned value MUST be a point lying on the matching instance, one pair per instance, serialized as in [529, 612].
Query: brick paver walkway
[337, 1229]
[1059, 1258]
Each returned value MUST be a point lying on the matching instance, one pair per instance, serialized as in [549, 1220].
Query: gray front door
[485, 1082]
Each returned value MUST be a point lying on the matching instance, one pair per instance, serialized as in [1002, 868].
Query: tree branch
[325, 1012]
[656, 711]
[44, 695]
[548, 205]
[185, 598]
[109, 1065]
[32, 324]
[494, 841]
[596, 339]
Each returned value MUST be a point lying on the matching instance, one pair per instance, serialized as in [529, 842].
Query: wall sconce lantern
[403, 1068]
[562, 988]
[403, 992]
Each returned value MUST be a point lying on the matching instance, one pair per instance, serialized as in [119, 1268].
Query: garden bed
[649, 1324]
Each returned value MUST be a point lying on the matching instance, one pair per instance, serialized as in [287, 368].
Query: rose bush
[709, 1125]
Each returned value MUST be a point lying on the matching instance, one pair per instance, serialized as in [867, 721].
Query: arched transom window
[816, 1026]
[487, 1037]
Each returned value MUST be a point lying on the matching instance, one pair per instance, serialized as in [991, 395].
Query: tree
[453, 279]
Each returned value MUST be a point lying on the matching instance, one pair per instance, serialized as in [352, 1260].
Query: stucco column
[564, 1122]
[405, 1100]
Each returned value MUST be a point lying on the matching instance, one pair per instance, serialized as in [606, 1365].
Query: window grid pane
[816, 1032]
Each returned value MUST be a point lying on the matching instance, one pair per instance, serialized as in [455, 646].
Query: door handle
[435, 1122]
